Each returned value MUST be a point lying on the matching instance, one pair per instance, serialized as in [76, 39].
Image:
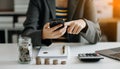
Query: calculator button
[89, 57]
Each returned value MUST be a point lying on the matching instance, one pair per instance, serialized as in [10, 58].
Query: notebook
[112, 53]
[53, 52]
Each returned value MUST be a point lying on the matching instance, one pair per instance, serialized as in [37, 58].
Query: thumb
[47, 25]
[67, 23]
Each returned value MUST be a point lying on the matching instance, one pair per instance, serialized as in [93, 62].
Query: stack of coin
[38, 60]
[63, 62]
[47, 61]
[55, 62]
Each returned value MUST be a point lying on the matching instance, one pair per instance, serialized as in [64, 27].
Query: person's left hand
[74, 27]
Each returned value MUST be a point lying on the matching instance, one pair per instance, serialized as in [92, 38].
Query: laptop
[112, 53]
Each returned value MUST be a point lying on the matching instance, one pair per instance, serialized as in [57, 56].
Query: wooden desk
[15, 15]
[9, 57]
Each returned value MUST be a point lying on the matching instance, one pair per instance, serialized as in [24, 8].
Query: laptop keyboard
[116, 49]
[117, 55]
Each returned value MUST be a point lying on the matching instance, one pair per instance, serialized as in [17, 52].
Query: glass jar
[25, 49]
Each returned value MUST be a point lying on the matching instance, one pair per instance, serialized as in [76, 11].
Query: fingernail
[48, 27]
[65, 26]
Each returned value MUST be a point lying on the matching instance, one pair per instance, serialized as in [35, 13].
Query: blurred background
[12, 16]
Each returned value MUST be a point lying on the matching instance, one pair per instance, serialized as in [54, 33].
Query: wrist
[83, 23]
[85, 26]
[80, 22]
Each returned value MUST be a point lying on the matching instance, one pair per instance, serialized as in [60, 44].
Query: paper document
[54, 52]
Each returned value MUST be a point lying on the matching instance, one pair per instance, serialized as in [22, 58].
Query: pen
[63, 49]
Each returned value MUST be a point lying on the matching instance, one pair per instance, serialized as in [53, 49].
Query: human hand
[74, 27]
[53, 33]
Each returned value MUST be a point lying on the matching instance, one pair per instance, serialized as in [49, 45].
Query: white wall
[104, 8]
[21, 5]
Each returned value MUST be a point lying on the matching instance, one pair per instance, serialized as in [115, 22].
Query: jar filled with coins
[25, 49]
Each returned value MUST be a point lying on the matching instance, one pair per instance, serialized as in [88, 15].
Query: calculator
[89, 57]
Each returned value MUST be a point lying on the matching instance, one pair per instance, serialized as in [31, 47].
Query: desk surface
[9, 55]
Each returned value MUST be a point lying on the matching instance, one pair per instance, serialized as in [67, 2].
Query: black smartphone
[54, 22]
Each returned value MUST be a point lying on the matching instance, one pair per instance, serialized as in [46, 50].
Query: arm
[84, 22]
[92, 30]
[31, 24]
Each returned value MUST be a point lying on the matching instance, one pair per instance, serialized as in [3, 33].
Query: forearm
[93, 32]
[31, 24]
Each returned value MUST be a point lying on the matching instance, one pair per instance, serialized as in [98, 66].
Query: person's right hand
[53, 33]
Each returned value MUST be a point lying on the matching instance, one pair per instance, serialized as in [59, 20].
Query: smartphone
[54, 22]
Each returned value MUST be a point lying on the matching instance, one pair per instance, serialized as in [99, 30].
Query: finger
[57, 34]
[67, 23]
[78, 31]
[60, 32]
[75, 29]
[47, 25]
[70, 29]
